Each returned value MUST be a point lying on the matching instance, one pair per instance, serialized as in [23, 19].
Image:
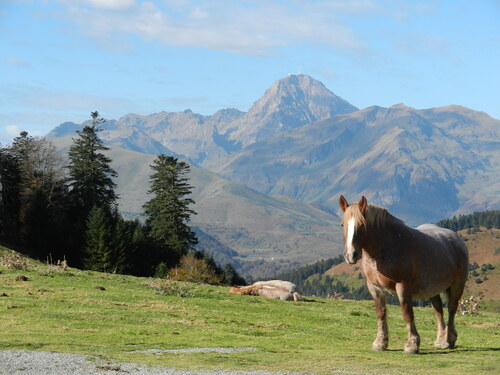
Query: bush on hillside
[195, 270]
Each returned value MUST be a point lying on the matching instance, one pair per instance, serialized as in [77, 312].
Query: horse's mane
[375, 216]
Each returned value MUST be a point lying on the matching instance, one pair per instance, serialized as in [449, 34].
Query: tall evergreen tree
[90, 182]
[90, 174]
[167, 212]
[99, 241]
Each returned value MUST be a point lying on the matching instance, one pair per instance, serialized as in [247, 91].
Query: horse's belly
[427, 290]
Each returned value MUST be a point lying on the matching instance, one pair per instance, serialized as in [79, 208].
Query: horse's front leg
[382, 340]
[406, 301]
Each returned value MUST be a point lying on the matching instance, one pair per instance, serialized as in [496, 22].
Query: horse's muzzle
[351, 257]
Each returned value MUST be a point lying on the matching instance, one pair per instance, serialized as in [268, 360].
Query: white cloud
[249, 28]
[8, 133]
[12, 130]
[105, 4]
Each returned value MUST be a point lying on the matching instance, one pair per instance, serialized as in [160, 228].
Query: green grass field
[113, 316]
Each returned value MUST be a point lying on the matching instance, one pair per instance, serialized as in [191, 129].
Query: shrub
[161, 270]
[194, 270]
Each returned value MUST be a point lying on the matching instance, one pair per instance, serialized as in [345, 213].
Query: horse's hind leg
[437, 305]
[382, 340]
[454, 295]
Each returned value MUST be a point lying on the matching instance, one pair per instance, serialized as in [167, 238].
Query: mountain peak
[290, 102]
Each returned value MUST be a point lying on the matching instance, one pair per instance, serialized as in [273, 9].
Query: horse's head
[354, 224]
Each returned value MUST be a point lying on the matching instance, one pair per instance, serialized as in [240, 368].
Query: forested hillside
[487, 219]
[58, 210]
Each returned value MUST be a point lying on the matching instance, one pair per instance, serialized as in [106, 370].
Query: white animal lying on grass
[274, 289]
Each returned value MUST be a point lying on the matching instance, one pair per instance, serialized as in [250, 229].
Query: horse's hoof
[442, 345]
[411, 350]
[379, 347]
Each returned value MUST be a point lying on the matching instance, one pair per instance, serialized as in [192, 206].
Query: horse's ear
[362, 204]
[343, 203]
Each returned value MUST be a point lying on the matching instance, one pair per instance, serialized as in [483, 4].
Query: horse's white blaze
[350, 233]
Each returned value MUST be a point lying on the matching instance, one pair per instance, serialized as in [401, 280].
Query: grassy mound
[121, 318]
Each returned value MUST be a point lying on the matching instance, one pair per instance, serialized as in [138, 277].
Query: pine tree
[99, 241]
[231, 277]
[167, 212]
[122, 245]
[90, 175]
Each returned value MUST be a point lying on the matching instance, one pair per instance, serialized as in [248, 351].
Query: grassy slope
[65, 311]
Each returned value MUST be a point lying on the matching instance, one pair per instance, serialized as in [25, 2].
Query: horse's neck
[386, 236]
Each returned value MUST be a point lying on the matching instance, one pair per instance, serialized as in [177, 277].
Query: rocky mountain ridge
[302, 141]
[291, 102]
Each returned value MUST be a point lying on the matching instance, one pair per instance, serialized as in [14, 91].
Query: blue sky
[60, 60]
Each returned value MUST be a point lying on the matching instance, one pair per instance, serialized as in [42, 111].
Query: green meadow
[116, 317]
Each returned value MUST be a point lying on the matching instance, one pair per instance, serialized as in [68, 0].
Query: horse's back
[443, 259]
[445, 236]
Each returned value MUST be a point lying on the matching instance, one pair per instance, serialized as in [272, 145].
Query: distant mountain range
[302, 142]
[421, 164]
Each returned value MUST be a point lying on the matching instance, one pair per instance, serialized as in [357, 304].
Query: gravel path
[23, 362]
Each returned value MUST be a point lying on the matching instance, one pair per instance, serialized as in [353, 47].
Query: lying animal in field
[274, 289]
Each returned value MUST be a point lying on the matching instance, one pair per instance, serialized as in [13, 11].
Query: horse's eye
[342, 225]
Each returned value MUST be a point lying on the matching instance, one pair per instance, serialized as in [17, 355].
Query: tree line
[489, 219]
[51, 208]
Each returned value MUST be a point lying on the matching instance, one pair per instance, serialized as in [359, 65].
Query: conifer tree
[99, 239]
[167, 212]
[90, 173]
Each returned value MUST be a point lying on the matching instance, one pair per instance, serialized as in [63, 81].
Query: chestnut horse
[413, 263]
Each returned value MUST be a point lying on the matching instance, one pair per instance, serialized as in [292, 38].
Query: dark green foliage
[161, 270]
[9, 196]
[76, 219]
[32, 212]
[109, 241]
[90, 180]
[231, 277]
[167, 212]
[90, 175]
[99, 237]
[488, 219]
